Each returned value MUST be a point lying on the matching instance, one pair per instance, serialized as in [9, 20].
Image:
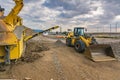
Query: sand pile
[29, 32]
[35, 46]
[59, 43]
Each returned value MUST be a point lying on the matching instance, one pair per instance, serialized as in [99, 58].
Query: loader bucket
[100, 52]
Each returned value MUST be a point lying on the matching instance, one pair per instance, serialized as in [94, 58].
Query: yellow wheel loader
[89, 46]
[13, 34]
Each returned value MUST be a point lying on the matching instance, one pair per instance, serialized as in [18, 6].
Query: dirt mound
[59, 43]
[32, 51]
[30, 58]
[35, 46]
[29, 32]
[60, 63]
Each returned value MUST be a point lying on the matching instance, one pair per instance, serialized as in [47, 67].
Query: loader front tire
[79, 46]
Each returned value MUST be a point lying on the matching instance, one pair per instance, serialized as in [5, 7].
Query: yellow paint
[26, 38]
[73, 41]
[8, 37]
[70, 34]
[12, 20]
[87, 41]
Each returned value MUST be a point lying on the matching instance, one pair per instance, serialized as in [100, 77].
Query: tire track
[80, 69]
[58, 66]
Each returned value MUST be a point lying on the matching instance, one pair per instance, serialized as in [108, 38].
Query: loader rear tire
[79, 46]
[68, 42]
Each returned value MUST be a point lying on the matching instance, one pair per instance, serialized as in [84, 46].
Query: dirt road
[60, 62]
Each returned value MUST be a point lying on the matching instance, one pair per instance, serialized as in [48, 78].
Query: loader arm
[12, 18]
[86, 41]
[37, 34]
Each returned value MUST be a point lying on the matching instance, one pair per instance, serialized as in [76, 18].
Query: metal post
[103, 29]
[97, 29]
[116, 27]
[110, 28]
[7, 55]
[60, 29]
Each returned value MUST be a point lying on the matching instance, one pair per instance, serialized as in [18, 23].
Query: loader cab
[78, 31]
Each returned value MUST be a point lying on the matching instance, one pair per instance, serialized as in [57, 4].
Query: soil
[51, 59]
[33, 48]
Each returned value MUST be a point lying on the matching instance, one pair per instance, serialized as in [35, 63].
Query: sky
[95, 15]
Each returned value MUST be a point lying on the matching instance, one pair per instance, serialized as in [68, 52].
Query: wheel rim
[77, 46]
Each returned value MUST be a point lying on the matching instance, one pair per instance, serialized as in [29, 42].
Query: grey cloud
[76, 8]
[111, 8]
[68, 10]
[31, 1]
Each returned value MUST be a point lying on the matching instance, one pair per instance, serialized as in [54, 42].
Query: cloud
[69, 9]
[41, 14]
[77, 11]
[111, 8]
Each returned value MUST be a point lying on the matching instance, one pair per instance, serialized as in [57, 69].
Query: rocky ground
[51, 59]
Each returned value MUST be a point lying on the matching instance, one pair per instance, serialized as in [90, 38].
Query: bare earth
[56, 61]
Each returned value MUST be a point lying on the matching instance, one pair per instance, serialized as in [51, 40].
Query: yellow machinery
[12, 34]
[88, 45]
